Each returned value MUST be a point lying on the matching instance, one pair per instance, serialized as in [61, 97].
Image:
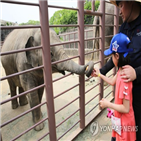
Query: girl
[123, 120]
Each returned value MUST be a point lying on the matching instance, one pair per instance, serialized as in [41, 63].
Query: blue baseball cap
[119, 44]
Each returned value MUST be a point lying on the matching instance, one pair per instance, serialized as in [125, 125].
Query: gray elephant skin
[13, 63]
[109, 20]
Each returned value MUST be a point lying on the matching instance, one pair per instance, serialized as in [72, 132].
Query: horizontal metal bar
[110, 14]
[109, 36]
[24, 113]
[67, 118]
[110, 25]
[68, 33]
[92, 88]
[29, 129]
[107, 57]
[92, 25]
[68, 130]
[106, 47]
[66, 91]
[92, 109]
[20, 50]
[22, 3]
[63, 43]
[107, 87]
[20, 27]
[43, 136]
[33, 89]
[92, 98]
[108, 94]
[61, 7]
[67, 105]
[89, 12]
[97, 50]
[65, 25]
[62, 77]
[65, 60]
[93, 38]
[22, 72]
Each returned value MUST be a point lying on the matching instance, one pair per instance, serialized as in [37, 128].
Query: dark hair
[123, 60]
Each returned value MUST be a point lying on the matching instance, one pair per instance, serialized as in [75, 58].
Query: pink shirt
[124, 91]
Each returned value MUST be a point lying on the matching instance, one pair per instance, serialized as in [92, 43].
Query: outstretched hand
[95, 72]
[128, 73]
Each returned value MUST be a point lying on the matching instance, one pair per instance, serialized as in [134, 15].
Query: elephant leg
[22, 99]
[13, 93]
[36, 114]
[40, 91]
[29, 81]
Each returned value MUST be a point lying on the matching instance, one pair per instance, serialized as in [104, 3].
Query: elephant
[14, 63]
[109, 20]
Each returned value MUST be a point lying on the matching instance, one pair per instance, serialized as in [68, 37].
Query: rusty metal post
[81, 61]
[45, 40]
[93, 5]
[116, 26]
[0, 136]
[102, 41]
[116, 20]
[86, 38]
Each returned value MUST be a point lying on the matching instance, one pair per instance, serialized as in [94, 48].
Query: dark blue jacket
[133, 31]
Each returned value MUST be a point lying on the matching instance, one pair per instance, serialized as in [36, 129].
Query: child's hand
[103, 103]
[95, 72]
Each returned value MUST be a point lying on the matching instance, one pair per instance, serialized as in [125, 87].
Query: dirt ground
[18, 126]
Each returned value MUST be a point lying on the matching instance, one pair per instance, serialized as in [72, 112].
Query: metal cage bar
[45, 40]
[81, 61]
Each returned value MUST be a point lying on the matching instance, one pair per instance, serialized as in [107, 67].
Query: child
[123, 120]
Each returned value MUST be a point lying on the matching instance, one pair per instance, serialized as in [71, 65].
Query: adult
[130, 12]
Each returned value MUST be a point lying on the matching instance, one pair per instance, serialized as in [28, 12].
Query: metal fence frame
[43, 8]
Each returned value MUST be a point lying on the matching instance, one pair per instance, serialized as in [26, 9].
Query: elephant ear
[32, 56]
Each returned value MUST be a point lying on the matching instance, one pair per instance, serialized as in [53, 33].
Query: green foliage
[88, 19]
[31, 22]
[65, 17]
[96, 4]
[8, 23]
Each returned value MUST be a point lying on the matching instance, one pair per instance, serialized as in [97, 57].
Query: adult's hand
[128, 73]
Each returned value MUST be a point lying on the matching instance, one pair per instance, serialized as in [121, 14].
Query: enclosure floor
[13, 129]
[103, 133]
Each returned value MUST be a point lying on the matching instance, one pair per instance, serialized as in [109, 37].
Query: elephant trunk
[73, 67]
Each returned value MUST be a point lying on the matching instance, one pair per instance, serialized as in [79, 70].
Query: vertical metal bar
[116, 20]
[102, 41]
[45, 40]
[93, 5]
[69, 40]
[81, 61]
[74, 39]
[86, 38]
[0, 135]
[116, 23]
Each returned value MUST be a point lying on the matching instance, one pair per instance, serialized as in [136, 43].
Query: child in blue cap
[123, 121]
